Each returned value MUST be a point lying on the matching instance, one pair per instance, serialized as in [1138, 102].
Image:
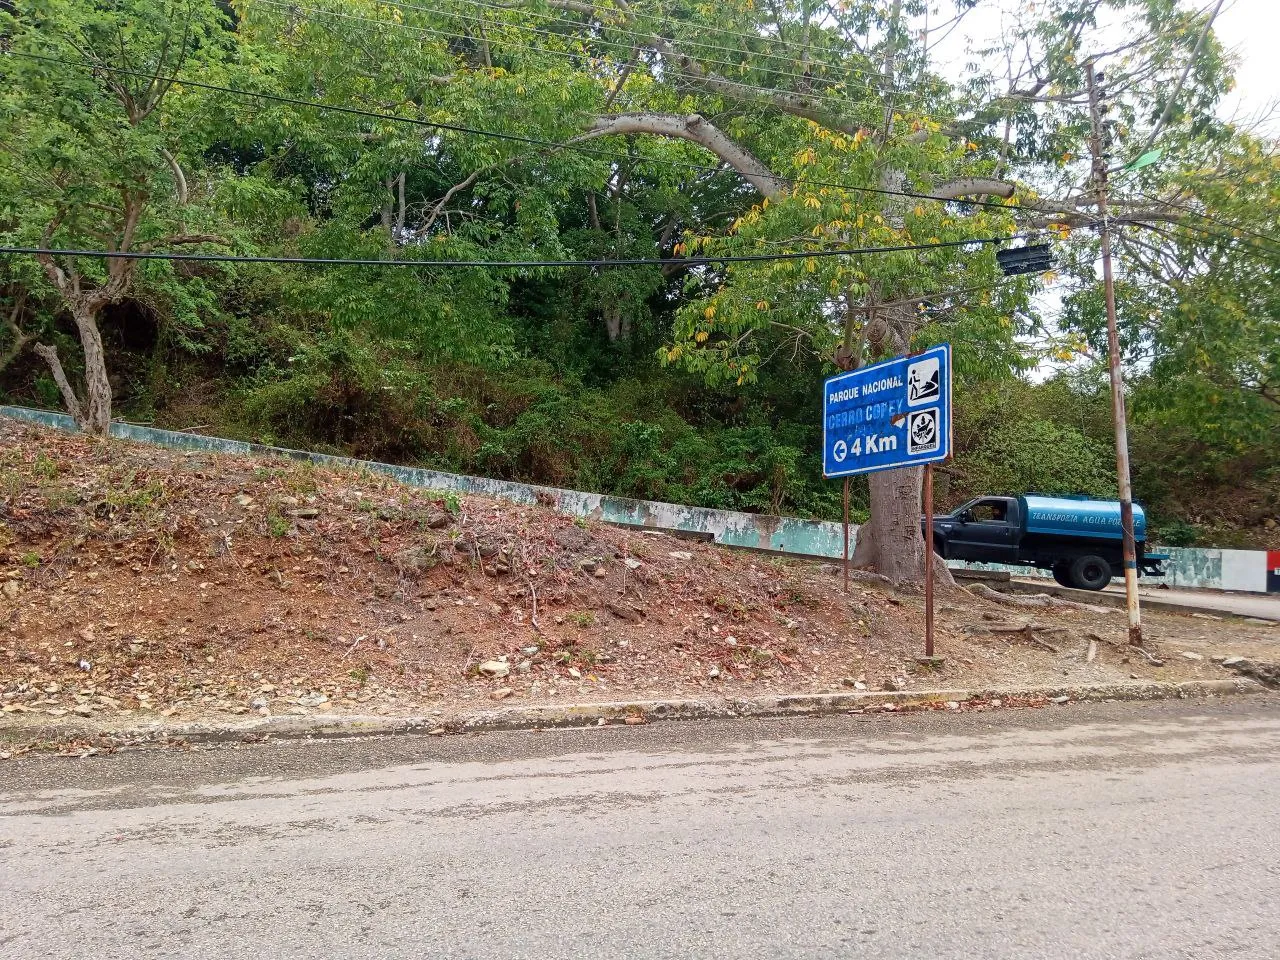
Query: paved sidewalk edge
[330, 726]
[1101, 598]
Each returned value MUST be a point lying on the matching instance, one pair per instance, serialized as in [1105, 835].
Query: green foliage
[660, 381]
[1014, 438]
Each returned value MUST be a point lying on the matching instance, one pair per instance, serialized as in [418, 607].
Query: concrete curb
[330, 726]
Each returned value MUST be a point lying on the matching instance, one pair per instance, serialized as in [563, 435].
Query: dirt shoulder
[143, 587]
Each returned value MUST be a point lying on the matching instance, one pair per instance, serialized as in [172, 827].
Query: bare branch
[696, 129]
[50, 355]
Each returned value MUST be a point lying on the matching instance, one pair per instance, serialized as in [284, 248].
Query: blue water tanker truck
[1077, 538]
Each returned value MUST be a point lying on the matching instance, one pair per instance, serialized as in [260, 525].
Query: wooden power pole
[1117, 375]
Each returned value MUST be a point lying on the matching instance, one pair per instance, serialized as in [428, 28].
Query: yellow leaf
[709, 313]
[812, 202]
[762, 305]
[701, 336]
[919, 210]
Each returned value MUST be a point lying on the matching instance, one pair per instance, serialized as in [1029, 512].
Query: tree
[95, 159]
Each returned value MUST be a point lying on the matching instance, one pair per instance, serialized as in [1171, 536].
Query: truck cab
[986, 529]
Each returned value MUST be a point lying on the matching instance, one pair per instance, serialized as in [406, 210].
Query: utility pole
[1117, 376]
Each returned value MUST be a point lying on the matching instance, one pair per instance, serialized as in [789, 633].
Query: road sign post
[890, 415]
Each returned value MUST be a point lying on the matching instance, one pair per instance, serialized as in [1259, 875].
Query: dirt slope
[139, 581]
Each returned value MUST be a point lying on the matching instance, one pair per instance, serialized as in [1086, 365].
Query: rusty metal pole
[928, 560]
[846, 534]
[1130, 549]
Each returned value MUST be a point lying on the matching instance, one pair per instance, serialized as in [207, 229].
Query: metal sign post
[928, 560]
[885, 416]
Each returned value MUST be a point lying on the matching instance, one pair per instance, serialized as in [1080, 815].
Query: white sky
[1249, 28]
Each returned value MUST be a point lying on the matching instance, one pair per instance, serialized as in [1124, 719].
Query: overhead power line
[1211, 219]
[683, 44]
[510, 137]
[834, 101]
[512, 264]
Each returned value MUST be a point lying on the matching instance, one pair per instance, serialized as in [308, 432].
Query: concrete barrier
[1244, 570]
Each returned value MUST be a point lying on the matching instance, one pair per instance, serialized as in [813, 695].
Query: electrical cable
[644, 39]
[565, 54]
[511, 137]
[511, 264]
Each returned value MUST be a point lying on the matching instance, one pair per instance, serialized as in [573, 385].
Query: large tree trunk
[97, 415]
[890, 542]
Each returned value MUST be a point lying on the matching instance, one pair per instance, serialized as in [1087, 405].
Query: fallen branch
[533, 618]
[1024, 631]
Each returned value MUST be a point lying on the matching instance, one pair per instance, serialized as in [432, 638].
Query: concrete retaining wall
[1245, 570]
[815, 538]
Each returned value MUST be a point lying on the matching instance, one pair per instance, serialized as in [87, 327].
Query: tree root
[1037, 601]
[1023, 631]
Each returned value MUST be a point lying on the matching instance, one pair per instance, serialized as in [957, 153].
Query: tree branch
[50, 355]
[695, 129]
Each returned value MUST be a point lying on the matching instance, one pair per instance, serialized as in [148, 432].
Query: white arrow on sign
[840, 451]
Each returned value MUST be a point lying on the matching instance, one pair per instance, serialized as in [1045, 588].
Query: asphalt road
[1118, 831]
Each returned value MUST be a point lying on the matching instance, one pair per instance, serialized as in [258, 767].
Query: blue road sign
[892, 414]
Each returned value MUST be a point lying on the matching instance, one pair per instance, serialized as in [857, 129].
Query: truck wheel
[1062, 573]
[1090, 573]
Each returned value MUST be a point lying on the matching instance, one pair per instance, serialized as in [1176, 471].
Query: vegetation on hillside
[553, 130]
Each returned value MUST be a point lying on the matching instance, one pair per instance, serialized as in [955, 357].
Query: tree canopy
[563, 130]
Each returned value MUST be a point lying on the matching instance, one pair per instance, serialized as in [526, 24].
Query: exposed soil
[139, 584]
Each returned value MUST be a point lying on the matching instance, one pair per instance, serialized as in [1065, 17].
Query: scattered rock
[11, 589]
[1259, 622]
[895, 684]
[680, 555]
[524, 666]
[600, 573]
[575, 673]
[494, 668]
[312, 699]
[259, 703]
[602, 722]
[997, 702]
[632, 563]
[439, 520]
[588, 566]
[624, 612]
[1205, 616]
[1060, 699]
[244, 500]
[847, 681]
[305, 513]
[1188, 655]
[83, 710]
[501, 694]
[953, 705]
[859, 685]
[635, 719]
[714, 673]
[1230, 662]
[436, 732]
